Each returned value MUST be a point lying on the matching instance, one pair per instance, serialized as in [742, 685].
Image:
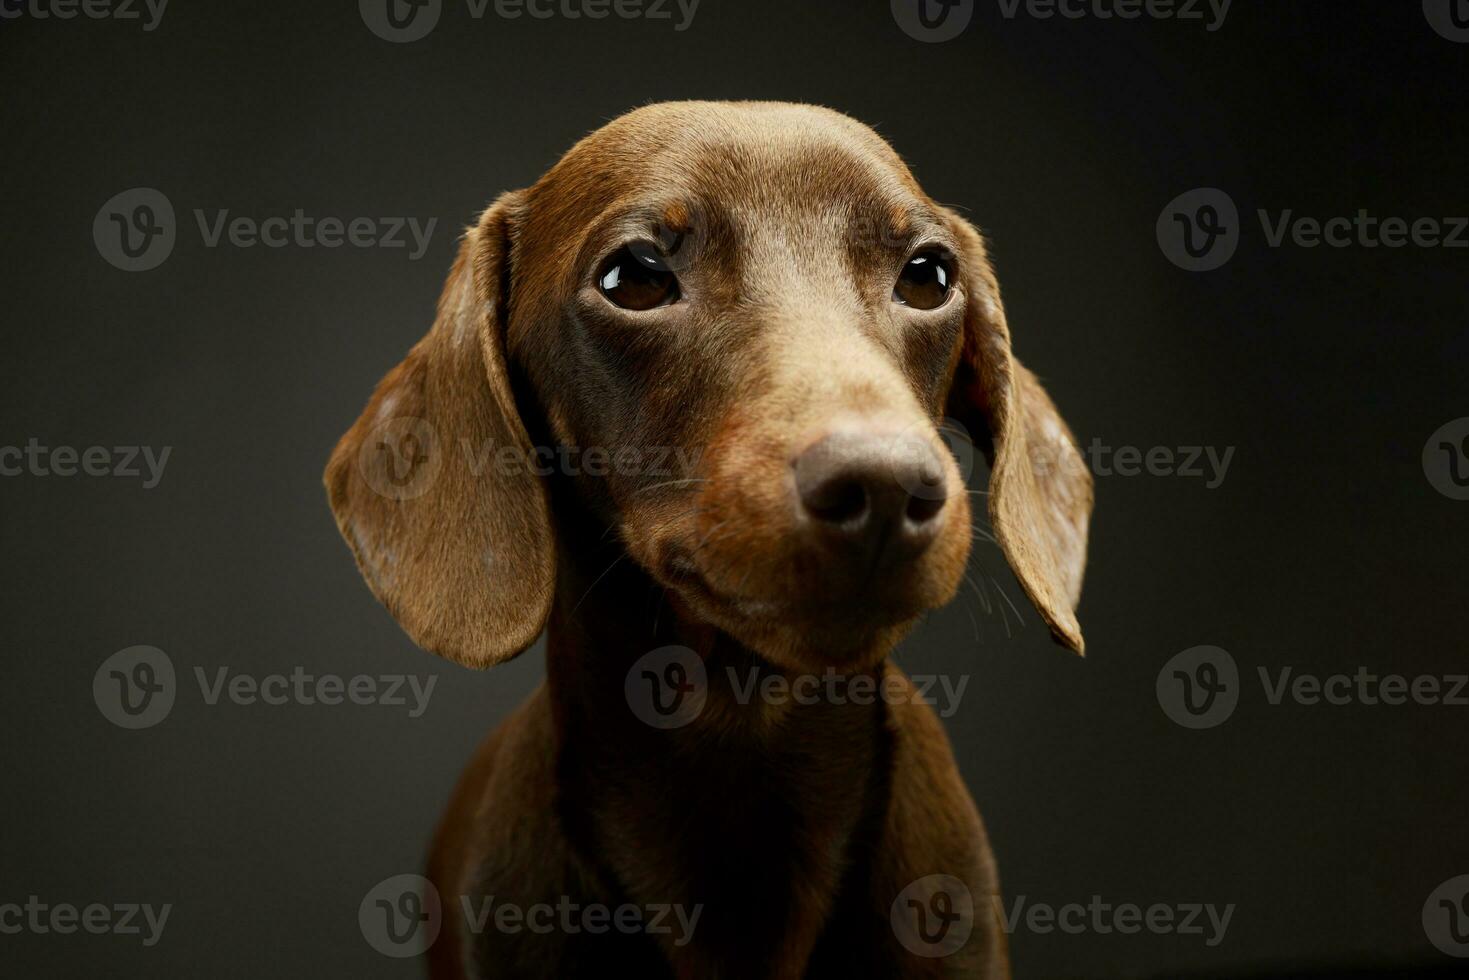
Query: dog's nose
[872, 489]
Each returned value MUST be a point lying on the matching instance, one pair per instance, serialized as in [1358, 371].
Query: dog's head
[748, 321]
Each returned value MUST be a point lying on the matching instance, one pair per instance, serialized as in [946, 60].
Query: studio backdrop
[1233, 243]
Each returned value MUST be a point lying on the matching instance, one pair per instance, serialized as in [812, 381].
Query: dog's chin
[816, 647]
[808, 634]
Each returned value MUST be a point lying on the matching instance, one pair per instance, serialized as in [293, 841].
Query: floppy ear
[1040, 488]
[450, 528]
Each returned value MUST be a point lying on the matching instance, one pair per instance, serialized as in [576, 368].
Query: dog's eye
[925, 281]
[635, 277]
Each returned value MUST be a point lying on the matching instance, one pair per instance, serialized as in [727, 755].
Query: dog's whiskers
[984, 600]
[671, 483]
[594, 584]
[709, 537]
[750, 568]
[972, 622]
[1018, 618]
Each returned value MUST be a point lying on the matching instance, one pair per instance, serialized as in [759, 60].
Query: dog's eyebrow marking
[877, 230]
[674, 215]
[678, 217]
[653, 221]
[900, 222]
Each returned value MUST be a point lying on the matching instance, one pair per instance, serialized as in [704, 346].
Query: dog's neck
[758, 779]
[611, 623]
[778, 792]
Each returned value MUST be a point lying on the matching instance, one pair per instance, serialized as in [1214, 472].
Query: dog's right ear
[433, 487]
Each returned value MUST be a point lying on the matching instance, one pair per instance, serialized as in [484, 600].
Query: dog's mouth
[882, 601]
[682, 572]
[800, 627]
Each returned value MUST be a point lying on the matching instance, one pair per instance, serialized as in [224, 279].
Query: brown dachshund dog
[762, 291]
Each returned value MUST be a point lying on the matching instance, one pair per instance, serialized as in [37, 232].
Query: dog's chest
[760, 837]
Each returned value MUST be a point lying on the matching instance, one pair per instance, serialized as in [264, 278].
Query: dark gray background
[1326, 548]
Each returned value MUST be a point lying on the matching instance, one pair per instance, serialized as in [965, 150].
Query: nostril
[865, 486]
[841, 499]
[927, 488]
[923, 508]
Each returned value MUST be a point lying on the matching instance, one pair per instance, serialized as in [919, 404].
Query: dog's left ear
[434, 486]
[1040, 488]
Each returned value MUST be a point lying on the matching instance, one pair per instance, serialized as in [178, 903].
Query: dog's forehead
[756, 160]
